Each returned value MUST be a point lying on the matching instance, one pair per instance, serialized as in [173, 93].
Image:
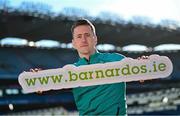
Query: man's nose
[84, 39]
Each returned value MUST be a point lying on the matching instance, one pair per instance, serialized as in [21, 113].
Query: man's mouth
[84, 45]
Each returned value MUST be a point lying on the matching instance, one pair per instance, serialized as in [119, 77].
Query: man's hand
[36, 70]
[142, 58]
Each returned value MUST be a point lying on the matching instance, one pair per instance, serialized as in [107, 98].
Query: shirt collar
[92, 56]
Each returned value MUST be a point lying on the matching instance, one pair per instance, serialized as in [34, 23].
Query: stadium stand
[160, 96]
[14, 60]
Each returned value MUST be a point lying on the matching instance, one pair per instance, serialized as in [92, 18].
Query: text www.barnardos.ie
[98, 74]
[43, 80]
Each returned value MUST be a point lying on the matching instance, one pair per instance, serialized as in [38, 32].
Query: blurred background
[36, 33]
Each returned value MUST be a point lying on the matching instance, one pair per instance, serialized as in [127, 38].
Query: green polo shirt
[107, 99]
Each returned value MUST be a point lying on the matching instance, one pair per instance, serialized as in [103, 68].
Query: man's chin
[84, 52]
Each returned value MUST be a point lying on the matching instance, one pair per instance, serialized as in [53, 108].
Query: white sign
[71, 76]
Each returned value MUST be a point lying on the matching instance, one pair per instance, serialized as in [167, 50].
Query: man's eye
[87, 35]
[78, 36]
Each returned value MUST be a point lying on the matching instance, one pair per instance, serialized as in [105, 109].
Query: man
[107, 99]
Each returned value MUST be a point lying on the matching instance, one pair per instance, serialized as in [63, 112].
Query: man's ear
[95, 37]
[73, 43]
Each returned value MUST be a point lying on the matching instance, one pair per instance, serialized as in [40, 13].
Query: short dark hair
[83, 22]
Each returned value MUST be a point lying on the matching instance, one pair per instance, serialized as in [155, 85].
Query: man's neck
[87, 55]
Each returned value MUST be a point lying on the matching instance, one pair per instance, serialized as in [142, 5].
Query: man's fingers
[139, 58]
[39, 92]
[143, 57]
[35, 70]
[32, 70]
[146, 57]
[141, 81]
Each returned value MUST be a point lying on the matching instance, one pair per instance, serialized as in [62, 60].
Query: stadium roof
[35, 25]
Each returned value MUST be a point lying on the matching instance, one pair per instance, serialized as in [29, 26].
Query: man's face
[84, 40]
